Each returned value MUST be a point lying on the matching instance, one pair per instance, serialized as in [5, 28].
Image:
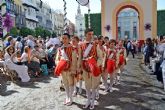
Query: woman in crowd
[18, 44]
[12, 64]
[34, 62]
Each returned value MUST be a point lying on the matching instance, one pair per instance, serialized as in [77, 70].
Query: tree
[14, 31]
[161, 22]
[26, 31]
[95, 22]
[46, 33]
[39, 31]
[54, 34]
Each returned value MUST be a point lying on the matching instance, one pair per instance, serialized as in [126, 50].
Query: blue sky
[161, 4]
[94, 4]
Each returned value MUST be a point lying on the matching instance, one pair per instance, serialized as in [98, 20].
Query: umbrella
[53, 41]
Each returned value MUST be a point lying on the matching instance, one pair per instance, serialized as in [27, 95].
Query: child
[122, 60]
[100, 56]
[77, 78]
[65, 59]
[111, 61]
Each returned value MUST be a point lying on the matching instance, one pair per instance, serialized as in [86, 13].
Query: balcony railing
[29, 4]
[30, 17]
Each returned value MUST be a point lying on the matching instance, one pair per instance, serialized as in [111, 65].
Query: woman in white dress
[11, 63]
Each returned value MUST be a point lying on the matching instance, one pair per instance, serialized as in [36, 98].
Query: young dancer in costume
[78, 76]
[122, 59]
[65, 60]
[91, 71]
[100, 57]
[111, 62]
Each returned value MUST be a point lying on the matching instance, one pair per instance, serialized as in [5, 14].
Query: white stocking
[80, 85]
[93, 96]
[71, 88]
[67, 92]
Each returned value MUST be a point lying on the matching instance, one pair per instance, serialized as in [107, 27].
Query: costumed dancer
[122, 60]
[78, 76]
[65, 66]
[100, 57]
[106, 43]
[91, 72]
[111, 62]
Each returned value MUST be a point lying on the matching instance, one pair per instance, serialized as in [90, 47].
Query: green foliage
[54, 34]
[95, 22]
[39, 31]
[14, 31]
[161, 22]
[26, 31]
[47, 33]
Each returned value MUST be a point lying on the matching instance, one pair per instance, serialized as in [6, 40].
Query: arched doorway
[128, 24]
[126, 5]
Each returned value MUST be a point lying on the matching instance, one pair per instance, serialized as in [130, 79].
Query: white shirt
[18, 45]
[30, 43]
[24, 57]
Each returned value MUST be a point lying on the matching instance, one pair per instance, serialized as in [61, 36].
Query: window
[28, 11]
[134, 24]
[119, 24]
[21, 21]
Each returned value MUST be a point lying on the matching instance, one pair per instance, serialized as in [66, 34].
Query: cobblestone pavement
[137, 91]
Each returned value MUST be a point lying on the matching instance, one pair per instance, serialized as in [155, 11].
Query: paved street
[138, 91]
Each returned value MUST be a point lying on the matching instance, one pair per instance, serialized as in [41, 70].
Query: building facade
[147, 16]
[58, 22]
[30, 9]
[20, 20]
[80, 24]
[128, 24]
[44, 16]
[70, 28]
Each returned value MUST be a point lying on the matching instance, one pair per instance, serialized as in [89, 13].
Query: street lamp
[86, 3]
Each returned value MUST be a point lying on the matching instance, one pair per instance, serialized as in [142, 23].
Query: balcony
[29, 4]
[30, 17]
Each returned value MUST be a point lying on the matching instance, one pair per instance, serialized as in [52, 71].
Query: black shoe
[62, 88]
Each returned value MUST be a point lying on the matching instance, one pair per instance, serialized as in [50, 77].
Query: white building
[44, 15]
[128, 24]
[58, 22]
[70, 27]
[80, 24]
[30, 8]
